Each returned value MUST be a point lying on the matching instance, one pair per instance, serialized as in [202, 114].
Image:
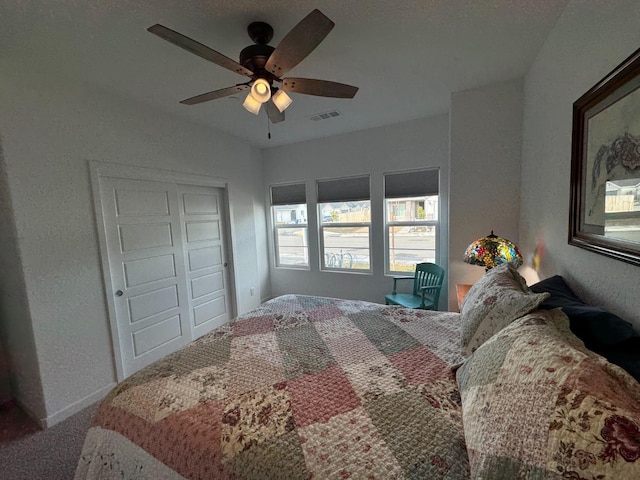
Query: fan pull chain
[268, 128]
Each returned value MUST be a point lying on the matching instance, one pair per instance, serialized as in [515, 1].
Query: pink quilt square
[420, 366]
[325, 312]
[198, 430]
[252, 326]
[318, 397]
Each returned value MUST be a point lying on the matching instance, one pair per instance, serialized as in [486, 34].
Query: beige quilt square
[264, 345]
[526, 431]
[336, 328]
[374, 378]
[351, 442]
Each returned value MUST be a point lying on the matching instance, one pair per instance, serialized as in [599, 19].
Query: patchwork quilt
[300, 388]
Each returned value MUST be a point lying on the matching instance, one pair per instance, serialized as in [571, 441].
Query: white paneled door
[165, 244]
[203, 240]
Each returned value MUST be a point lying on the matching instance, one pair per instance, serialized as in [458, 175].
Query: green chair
[427, 283]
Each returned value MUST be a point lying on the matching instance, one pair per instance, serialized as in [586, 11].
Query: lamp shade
[251, 105]
[491, 251]
[282, 100]
[261, 90]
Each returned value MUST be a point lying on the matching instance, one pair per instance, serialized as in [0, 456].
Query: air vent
[325, 116]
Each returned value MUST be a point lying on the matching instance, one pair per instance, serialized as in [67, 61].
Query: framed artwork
[604, 214]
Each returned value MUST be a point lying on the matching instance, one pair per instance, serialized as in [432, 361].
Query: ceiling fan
[266, 65]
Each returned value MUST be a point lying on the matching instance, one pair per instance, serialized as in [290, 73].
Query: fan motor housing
[255, 57]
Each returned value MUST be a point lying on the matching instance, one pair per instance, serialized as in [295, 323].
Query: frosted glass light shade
[282, 100]
[261, 90]
[251, 104]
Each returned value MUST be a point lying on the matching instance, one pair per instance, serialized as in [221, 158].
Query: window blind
[350, 189]
[292, 194]
[420, 183]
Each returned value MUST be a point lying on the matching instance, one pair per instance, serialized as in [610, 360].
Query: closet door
[143, 230]
[202, 218]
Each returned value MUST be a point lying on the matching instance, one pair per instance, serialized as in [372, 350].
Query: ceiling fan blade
[199, 49]
[275, 115]
[223, 92]
[321, 88]
[299, 43]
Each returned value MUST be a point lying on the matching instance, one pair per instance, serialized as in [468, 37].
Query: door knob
[119, 293]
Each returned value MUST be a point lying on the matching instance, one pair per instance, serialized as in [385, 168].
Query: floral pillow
[536, 404]
[493, 302]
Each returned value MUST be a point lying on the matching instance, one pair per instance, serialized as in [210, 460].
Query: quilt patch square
[527, 430]
[324, 313]
[383, 333]
[374, 378]
[252, 374]
[489, 363]
[523, 360]
[200, 431]
[429, 446]
[349, 439]
[254, 417]
[295, 319]
[303, 351]
[336, 328]
[253, 326]
[264, 345]
[269, 459]
[354, 348]
[331, 385]
[420, 366]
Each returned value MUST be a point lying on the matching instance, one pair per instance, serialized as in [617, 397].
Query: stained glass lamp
[491, 251]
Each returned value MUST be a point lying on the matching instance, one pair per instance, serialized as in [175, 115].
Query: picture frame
[604, 213]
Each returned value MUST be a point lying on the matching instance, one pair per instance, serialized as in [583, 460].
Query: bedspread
[302, 387]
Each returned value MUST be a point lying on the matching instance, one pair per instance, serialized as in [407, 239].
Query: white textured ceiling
[405, 56]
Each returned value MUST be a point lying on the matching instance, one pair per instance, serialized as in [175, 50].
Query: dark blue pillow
[626, 355]
[599, 329]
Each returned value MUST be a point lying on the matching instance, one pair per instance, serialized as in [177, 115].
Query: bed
[321, 388]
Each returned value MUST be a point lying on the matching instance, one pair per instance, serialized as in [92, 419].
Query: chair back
[428, 275]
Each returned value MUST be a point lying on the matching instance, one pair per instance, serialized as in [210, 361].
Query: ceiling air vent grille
[325, 116]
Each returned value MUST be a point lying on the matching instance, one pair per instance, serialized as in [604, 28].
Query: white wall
[589, 40]
[50, 130]
[16, 334]
[484, 190]
[410, 145]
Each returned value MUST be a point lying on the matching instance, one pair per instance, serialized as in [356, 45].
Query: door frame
[98, 170]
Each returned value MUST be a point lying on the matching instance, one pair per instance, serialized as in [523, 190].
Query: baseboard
[75, 407]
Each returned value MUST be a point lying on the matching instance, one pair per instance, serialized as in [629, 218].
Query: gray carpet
[47, 455]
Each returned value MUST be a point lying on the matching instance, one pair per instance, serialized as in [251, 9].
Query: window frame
[348, 189]
[322, 225]
[277, 228]
[432, 190]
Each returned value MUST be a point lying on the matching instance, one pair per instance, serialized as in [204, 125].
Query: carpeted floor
[28, 453]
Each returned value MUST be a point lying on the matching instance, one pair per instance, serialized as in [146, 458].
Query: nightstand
[461, 292]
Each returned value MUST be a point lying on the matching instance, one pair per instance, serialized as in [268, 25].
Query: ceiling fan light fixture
[251, 104]
[282, 100]
[261, 90]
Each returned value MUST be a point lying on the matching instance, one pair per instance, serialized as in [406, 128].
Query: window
[344, 213]
[289, 216]
[411, 219]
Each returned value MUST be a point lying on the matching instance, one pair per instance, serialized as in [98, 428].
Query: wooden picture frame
[604, 213]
